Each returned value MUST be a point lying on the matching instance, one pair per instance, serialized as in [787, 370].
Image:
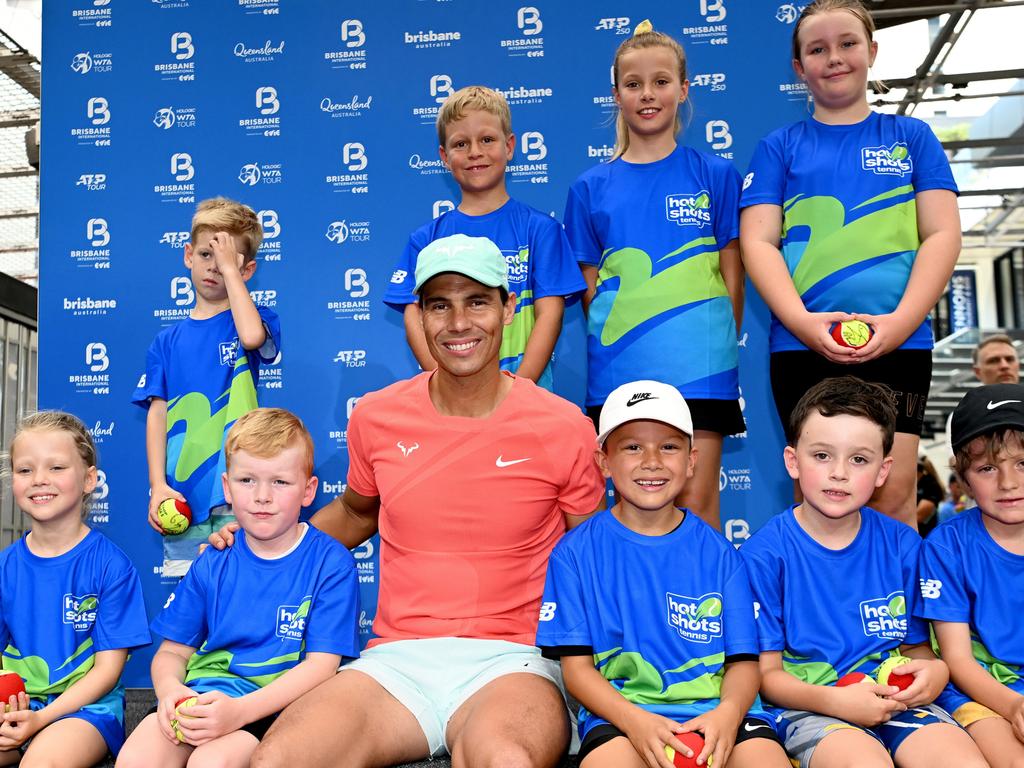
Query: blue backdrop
[320, 115]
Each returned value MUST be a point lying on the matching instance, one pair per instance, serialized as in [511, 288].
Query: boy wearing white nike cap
[649, 608]
[972, 568]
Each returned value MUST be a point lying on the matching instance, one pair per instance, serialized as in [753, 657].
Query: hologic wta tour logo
[698, 619]
[885, 617]
[166, 118]
[887, 161]
[689, 209]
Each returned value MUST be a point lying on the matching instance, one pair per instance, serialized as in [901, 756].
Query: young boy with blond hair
[971, 570]
[836, 584]
[201, 374]
[253, 627]
[474, 127]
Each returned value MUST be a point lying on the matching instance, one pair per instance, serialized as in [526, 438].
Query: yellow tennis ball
[852, 333]
[188, 701]
[175, 516]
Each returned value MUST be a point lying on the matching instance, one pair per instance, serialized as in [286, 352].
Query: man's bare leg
[516, 721]
[350, 721]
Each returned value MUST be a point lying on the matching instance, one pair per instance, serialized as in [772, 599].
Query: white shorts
[433, 677]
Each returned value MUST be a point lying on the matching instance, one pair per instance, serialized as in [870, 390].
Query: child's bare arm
[230, 263]
[590, 276]
[930, 675]
[168, 672]
[90, 688]
[731, 267]
[861, 704]
[647, 732]
[156, 458]
[970, 677]
[414, 335]
[548, 312]
[217, 714]
[720, 725]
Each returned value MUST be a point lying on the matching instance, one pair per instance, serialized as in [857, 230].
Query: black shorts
[907, 372]
[721, 416]
[258, 729]
[750, 728]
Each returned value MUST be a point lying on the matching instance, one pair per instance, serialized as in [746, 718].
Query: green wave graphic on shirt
[39, 679]
[642, 295]
[823, 673]
[515, 335]
[641, 683]
[1007, 674]
[835, 245]
[204, 430]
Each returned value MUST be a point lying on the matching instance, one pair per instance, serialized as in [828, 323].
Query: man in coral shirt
[470, 475]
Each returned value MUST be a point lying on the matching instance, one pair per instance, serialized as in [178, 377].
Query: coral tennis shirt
[470, 508]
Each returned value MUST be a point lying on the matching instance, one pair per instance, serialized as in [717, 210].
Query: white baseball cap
[644, 400]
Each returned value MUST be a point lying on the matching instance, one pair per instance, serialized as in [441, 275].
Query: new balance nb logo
[639, 397]
[931, 588]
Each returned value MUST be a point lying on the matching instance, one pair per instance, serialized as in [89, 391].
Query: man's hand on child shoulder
[225, 255]
[221, 539]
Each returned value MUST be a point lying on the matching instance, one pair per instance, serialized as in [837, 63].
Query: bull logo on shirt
[80, 611]
[698, 619]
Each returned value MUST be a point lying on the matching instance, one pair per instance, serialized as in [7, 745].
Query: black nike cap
[987, 409]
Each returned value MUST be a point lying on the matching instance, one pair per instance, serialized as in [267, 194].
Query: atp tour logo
[713, 81]
[885, 617]
[887, 161]
[264, 298]
[97, 235]
[533, 149]
[96, 381]
[689, 210]
[530, 43]
[166, 118]
[353, 107]
[351, 358]
[718, 136]
[99, 15]
[181, 67]
[80, 611]
[617, 24]
[697, 619]
[270, 248]
[260, 53]
[267, 105]
[353, 178]
[97, 131]
[356, 306]
[182, 295]
[92, 182]
[252, 174]
[713, 29]
[352, 54]
[175, 239]
[183, 190]
[291, 619]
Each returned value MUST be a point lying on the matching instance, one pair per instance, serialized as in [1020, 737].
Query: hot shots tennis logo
[885, 617]
[698, 619]
[887, 161]
[80, 611]
[291, 619]
[689, 209]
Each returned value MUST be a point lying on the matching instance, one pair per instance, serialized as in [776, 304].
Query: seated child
[649, 608]
[836, 584]
[972, 569]
[70, 605]
[251, 628]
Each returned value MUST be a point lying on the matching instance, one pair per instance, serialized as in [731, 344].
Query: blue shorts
[804, 731]
[106, 716]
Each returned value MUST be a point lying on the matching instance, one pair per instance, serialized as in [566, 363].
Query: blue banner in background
[320, 115]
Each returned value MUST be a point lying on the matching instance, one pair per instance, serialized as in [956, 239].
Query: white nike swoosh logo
[992, 405]
[748, 727]
[499, 463]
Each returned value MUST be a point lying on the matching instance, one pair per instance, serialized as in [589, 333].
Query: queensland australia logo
[96, 131]
[530, 40]
[80, 611]
[180, 65]
[698, 619]
[166, 118]
[100, 431]
[426, 165]
[887, 161]
[97, 13]
[85, 62]
[265, 121]
[254, 53]
[349, 52]
[252, 174]
[688, 210]
[349, 106]
[431, 39]
[291, 619]
[885, 617]
[353, 176]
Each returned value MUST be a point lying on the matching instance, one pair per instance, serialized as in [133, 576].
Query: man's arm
[350, 518]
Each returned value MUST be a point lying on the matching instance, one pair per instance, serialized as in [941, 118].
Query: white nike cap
[644, 400]
[987, 409]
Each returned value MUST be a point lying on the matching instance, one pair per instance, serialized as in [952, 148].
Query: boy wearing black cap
[972, 569]
[649, 609]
